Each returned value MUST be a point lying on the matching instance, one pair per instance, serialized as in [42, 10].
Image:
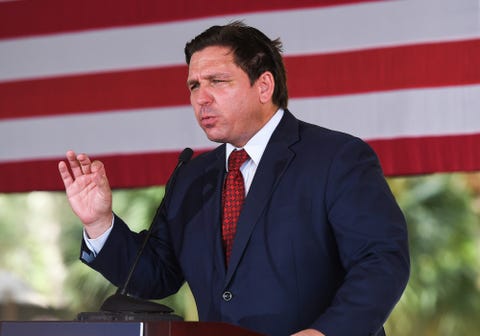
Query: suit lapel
[273, 164]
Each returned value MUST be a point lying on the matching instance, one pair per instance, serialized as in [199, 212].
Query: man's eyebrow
[190, 82]
[215, 75]
[218, 75]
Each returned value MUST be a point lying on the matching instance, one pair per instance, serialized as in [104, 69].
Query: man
[320, 246]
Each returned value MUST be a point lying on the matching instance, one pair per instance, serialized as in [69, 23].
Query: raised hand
[88, 192]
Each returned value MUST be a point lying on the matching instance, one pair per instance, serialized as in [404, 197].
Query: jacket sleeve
[157, 274]
[371, 235]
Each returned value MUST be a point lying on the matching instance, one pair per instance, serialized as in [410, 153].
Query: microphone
[183, 158]
[121, 306]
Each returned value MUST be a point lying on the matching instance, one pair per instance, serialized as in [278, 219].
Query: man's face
[226, 106]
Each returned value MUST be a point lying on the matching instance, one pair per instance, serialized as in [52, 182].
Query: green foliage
[442, 297]
[30, 243]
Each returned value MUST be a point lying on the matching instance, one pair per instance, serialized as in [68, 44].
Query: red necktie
[232, 199]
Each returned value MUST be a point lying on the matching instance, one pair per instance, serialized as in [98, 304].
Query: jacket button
[227, 296]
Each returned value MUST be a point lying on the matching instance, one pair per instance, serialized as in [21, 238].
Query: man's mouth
[207, 121]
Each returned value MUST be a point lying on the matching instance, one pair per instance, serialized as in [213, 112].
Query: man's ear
[266, 86]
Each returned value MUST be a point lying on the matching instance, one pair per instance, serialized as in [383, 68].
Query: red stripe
[22, 18]
[107, 91]
[413, 66]
[426, 65]
[405, 156]
[424, 155]
[124, 171]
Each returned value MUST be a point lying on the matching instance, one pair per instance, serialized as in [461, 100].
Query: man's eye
[193, 86]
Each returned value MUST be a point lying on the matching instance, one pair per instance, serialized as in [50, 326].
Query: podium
[147, 328]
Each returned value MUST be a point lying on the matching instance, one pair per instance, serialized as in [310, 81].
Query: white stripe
[133, 131]
[394, 114]
[406, 113]
[303, 31]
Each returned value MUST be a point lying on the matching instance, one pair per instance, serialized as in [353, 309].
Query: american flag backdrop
[108, 78]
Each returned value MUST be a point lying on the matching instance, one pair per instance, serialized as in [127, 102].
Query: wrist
[99, 227]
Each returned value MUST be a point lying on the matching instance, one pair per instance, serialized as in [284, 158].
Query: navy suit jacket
[320, 242]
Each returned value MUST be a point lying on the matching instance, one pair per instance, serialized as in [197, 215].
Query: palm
[88, 200]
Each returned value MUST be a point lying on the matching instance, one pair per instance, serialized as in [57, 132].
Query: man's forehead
[212, 52]
[207, 62]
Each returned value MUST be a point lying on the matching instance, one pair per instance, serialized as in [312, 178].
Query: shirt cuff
[95, 245]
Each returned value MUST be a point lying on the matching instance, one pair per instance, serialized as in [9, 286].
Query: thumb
[97, 166]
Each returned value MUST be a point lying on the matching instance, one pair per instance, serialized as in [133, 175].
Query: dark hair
[253, 52]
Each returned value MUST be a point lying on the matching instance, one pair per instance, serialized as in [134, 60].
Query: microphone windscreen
[185, 155]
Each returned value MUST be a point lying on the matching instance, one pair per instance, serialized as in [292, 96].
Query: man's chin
[215, 137]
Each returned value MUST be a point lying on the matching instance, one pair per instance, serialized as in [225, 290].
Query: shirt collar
[257, 144]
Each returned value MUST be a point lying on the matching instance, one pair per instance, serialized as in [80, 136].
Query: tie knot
[236, 159]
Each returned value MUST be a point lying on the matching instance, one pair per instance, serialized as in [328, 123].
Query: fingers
[85, 163]
[98, 169]
[65, 174]
[74, 164]
[79, 165]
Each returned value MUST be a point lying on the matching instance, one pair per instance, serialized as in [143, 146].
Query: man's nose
[203, 96]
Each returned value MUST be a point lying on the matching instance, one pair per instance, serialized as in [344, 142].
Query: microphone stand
[122, 307]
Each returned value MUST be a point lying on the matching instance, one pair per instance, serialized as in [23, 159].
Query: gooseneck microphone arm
[183, 158]
[120, 301]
